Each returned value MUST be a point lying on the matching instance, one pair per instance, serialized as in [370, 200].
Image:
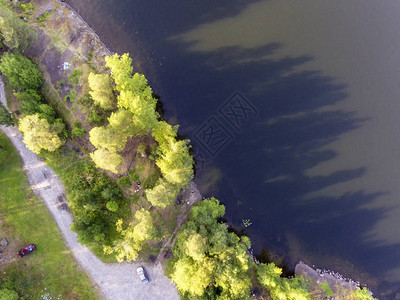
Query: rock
[4, 243]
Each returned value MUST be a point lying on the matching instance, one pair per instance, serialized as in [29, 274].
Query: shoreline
[102, 48]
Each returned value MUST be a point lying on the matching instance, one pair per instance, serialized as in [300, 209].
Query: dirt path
[116, 281]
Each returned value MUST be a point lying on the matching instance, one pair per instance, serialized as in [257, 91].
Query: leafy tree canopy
[107, 137]
[142, 228]
[20, 71]
[163, 132]
[122, 122]
[121, 70]
[163, 194]
[208, 259]
[102, 93]
[15, 33]
[107, 160]
[39, 134]
[175, 162]
[281, 288]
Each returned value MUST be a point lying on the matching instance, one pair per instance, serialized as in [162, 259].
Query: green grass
[51, 268]
[327, 289]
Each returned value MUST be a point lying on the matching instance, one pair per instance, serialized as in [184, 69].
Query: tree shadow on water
[268, 162]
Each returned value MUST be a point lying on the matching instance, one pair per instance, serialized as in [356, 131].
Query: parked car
[26, 250]
[142, 275]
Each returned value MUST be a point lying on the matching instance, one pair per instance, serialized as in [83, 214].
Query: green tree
[143, 109]
[175, 162]
[121, 70]
[163, 194]
[134, 93]
[122, 122]
[5, 116]
[20, 71]
[133, 237]
[107, 160]
[107, 137]
[30, 100]
[209, 259]
[102, 93]
[281, 288]
[14, 33]
[164, 132]
[39, 134]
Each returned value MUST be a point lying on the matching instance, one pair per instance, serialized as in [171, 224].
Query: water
[313, 158]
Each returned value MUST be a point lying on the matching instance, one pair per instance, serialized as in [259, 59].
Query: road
[117, 281]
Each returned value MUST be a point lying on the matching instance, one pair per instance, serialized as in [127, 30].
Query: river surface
[292, 108]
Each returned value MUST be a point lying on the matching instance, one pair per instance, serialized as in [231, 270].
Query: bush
[78, 132]
[95, 118]
[124, 181]
[112, 206]
[6, 294]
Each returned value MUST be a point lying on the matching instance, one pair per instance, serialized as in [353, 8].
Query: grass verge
[51, 269]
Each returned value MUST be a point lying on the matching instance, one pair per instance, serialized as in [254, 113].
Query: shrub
[112, 206]
[95, 118]
[78, 131]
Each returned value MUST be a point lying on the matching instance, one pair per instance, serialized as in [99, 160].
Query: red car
[26, 250]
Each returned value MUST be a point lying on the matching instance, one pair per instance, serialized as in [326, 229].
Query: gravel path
[116, 281]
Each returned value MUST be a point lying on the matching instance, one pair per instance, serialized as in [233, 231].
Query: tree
[209, 259]
[175, 162]
[30, 100]
[280, 288]
[107, 160]
[163, 132]
[143, 109]
[107, 137]
[121, 70]
[163, 194]
[133, 237]
[20, 71]
[15, 33]
[122, 122]
[5, 116]
[102, 93]
[134, 93]
[39, 134]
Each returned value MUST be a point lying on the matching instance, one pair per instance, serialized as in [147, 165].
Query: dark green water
[292, 108]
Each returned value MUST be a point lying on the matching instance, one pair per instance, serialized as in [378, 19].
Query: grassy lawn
[50, 269]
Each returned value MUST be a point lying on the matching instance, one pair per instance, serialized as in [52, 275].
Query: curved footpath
[117, 281]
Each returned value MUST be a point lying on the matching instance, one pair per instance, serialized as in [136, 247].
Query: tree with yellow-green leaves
[209, 260]
[39, 134]
[107, 137]
[107, 160]
[163, 194]
[141, 229]
[281, 288]
[175, 162]
[101, 91]
[121, 121]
